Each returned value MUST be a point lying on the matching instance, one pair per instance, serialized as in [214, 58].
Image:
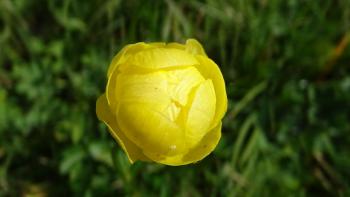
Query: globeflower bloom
[164, 102]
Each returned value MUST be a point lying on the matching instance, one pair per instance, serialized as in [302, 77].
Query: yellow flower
[164, 102]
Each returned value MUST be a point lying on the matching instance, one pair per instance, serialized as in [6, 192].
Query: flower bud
[164, 102]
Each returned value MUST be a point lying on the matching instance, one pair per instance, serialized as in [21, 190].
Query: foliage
[286, 65]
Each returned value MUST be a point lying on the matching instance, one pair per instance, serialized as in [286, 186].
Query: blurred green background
[287, 71]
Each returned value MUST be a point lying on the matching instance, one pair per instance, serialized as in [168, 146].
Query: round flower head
[164, 102]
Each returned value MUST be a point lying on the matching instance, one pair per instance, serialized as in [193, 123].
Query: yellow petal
[210, 70]
[194, 47]
[181, 82]
[126, 52]
[150, 87]
[176, 45]
[201, 113]
[150, 129]
[157, 44]
[203, 149]
[112, 73]
[205, 146]
[111, 93]
[160, 58]
[104, 114]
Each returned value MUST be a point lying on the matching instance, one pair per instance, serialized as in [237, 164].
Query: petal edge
[103, 113]
[210, 70]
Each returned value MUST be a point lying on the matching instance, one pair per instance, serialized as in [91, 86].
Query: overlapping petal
[104, 114]
[210, 70]
[160, 58]
[195, 48]
[201, 113]
[197, 153]
[126, 52]
[150, 129]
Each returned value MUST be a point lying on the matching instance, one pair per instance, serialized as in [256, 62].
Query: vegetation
[287, 71]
